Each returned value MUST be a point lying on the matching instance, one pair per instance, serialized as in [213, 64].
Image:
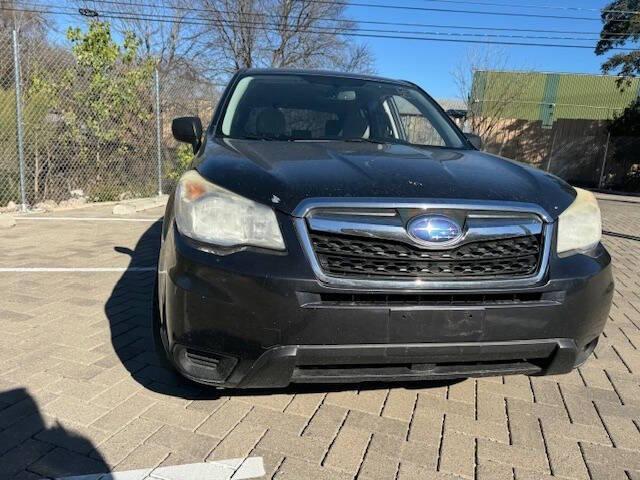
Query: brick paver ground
[81, 390]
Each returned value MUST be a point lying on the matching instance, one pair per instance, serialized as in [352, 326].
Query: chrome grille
[372, 246]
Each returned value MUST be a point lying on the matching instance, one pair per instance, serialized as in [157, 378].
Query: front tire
[160, 339]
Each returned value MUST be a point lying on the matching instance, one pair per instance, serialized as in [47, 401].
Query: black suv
[341, 228]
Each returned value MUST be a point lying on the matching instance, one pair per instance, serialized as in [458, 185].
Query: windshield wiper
[364, 140]
[268, 138]
[387, 141]
[257, 137]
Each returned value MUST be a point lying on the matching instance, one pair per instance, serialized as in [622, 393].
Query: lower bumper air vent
[205, 365]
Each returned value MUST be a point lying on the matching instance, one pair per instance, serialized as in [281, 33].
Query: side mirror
[456, 114]
[188, 130]
[474, 140]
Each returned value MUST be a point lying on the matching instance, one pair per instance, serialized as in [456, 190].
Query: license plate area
[428, 324]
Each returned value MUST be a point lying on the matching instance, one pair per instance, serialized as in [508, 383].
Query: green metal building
[548, 97]
[560, 122]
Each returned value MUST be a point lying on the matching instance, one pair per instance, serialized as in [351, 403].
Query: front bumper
[256, 319]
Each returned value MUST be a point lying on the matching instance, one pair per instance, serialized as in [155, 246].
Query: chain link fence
[73, 131]
[180, 98]
[68, 136]
[9, 164]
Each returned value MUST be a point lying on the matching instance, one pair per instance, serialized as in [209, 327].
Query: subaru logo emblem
[434, 229]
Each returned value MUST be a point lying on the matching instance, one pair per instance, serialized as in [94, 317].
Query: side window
[417, 128]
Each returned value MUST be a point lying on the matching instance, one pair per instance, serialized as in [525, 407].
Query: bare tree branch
[175, 45]
[280, 33]
[488, 110]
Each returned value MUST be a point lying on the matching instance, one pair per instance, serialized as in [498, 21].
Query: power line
[367, 22]
[542, 7]
[346, 3]
[448, 10]
[321, 30]
[414, 8]
[276, 25]
[462, 2]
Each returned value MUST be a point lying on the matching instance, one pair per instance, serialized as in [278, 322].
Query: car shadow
[31, 449]
[129, 310]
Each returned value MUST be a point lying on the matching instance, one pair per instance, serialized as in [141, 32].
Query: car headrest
[355, 125]
[332, 128]
[270, 122]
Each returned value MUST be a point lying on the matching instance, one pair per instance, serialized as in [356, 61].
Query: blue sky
[430, 63]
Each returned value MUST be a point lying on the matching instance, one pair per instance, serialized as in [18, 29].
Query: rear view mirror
[188, 130]
[347, 95]
[474, 140]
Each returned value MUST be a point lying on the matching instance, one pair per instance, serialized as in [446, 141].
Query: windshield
[311, 107]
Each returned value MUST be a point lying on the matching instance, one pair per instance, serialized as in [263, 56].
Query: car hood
[283, 174]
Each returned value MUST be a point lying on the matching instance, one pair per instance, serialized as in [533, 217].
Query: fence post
[19, 121]
[604, 160]
[158, 131]
[553, 145]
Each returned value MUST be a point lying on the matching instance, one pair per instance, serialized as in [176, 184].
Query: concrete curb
[617, 198]
[129, 207]
[141, 204]
[7, 221]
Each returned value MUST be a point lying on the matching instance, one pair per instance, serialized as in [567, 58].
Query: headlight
[580, 226]
[211, 214]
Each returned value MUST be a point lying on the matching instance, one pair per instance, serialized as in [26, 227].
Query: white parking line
[91, 219]
[232, 469]
[72, 269]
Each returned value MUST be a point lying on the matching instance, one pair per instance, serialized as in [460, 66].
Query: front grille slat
[354, 256]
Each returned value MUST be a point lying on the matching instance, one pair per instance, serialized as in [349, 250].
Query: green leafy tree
[8, 157]
[183, 157]
[36, 106]
[621, 27]
[104, 106]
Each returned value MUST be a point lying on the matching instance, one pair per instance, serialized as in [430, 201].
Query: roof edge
[320, 73]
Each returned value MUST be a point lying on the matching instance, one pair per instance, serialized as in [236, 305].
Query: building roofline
[534, 72]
